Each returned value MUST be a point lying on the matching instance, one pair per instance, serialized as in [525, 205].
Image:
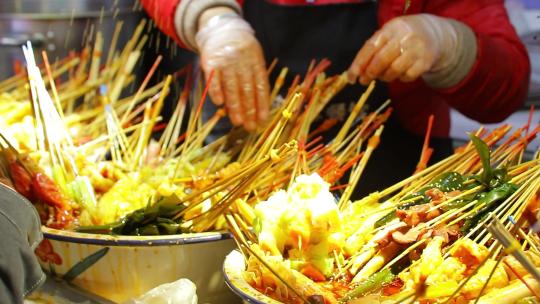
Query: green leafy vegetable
[374, 282]
[154, 219]
[489, 202]
[485, 156]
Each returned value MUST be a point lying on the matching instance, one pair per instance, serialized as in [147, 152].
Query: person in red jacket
[432, 55]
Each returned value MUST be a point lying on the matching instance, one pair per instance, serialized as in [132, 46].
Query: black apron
[298, 34]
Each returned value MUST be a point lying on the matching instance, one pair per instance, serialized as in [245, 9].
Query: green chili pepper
[422, 198]
[448, 181]
[489, 201]
[168, 226]
[492, 178]
[485, 157]
[147, 230]
[386, 219]
[374, 282]
[97, 229]
[455, 204]
[500, 176]
[498, 194]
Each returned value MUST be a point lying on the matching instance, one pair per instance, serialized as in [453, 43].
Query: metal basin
[132, 265]
[60, 26]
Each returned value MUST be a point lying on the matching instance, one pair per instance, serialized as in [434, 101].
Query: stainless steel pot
[60, 26]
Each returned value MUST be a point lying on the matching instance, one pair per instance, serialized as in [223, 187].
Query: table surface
[53, 291]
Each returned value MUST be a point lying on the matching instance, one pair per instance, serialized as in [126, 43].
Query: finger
[398, 68]
[415, 71]
[365, 80]
[231, 94]
[215, 90]
[262, 93]
[247, 99]
[364, 56]
[383, 59]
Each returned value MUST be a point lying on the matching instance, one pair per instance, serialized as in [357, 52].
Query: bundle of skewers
[86, 155]
[262, 162]
[95, 161]
[75, 79]
[459, 231]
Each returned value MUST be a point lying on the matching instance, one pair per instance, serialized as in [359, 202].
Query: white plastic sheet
[182, 291]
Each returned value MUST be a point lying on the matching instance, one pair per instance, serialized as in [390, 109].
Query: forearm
[179, 19]
[191, 15]
[213, 12]
[497, 84]
[162, 12]
[457, 59]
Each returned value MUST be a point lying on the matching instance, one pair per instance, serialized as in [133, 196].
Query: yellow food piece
[221, 223]
[469, 252]
[429, 261]
[374, 264]
[475, 284]
[127, 195]
[166, 189]
[515, 291]
[305, 218]
[99, 183]
[20, 133]
[266, 279]
[517, 266]
[15, 111]
[444, 280]
[246, 210]
[441, 277]
[451, 270]
[359, 228]
[441, 290]
[362, 258]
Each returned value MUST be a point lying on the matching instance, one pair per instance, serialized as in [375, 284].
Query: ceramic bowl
[233, 267]
[133, 265]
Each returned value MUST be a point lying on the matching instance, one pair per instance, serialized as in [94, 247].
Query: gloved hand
[227, 45]
[411, 46]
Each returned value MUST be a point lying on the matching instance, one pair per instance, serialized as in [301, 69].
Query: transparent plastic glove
[182, 291]
[227, 46]
[406, 48]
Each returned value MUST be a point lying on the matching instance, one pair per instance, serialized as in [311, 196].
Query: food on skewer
[423, 240]
[101, 155]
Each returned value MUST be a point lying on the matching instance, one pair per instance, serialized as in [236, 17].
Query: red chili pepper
[313, 273]
[339, 172]
[46, 191]
[22, 181]
[326, 125]
[393, 288]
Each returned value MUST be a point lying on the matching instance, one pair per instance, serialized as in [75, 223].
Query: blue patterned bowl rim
[233, 268]
[132, 241]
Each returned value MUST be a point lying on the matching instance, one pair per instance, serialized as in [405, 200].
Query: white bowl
[135, 264]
